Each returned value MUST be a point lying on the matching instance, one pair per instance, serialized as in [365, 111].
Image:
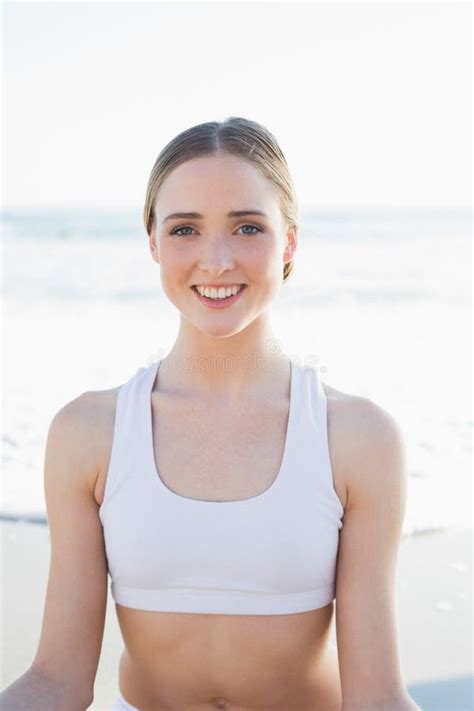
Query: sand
[434, 611]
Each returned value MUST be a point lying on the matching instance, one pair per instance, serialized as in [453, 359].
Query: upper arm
[366, 569]
[75, 605]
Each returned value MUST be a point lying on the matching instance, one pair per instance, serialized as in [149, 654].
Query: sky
[371, 103]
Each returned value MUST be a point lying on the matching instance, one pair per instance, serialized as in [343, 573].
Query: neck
[227, 367]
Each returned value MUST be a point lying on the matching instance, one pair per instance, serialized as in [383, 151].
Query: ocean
[379, 301]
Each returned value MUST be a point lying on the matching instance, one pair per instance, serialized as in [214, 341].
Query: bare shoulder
[362, 435]
[88, 422]
[370, 452]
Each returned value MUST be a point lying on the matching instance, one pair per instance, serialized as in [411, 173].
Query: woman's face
[215, 248]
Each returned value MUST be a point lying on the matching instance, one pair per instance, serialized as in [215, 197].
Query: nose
[216, 256]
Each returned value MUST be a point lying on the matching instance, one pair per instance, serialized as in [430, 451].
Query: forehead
[219, 181]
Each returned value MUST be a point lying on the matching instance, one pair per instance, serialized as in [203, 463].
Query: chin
[222, 332]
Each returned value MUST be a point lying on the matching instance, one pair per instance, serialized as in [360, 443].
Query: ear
[155, 253]
[291, 244]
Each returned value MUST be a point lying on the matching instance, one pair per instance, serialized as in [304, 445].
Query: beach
[379, 302]
[434, 611]
[352, 309]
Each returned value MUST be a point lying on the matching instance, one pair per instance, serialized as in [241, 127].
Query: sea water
[379, 303]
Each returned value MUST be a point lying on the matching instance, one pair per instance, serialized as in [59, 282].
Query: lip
[221, 303]
[218, 286]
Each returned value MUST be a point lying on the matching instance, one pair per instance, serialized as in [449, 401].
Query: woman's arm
[376, 476]
[62, 674]
[34, 690]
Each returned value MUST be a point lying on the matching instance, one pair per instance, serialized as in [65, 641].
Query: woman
[230, 494]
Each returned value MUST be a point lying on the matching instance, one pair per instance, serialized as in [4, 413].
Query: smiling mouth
[220, 286]
[216, 288]
[215, 301]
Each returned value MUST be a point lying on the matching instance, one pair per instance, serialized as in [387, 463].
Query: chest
[218, 453]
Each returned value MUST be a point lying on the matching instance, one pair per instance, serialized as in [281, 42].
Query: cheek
[260, 254]
[265, 258]
[174, 270]
[174, 258]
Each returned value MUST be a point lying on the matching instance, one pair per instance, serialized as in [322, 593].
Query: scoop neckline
[277, 482]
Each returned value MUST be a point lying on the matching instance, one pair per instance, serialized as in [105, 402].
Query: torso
[181, 662]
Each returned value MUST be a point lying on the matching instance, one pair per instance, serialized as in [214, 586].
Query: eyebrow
[198, 216]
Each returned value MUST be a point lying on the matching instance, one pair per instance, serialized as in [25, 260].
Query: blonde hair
[239, 137]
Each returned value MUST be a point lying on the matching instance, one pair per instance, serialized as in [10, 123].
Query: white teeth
[221, 293]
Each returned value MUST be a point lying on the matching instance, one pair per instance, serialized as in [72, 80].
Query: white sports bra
[271, 554]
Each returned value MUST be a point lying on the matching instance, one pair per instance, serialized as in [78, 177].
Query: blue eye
[254, 227]
[177, 230]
